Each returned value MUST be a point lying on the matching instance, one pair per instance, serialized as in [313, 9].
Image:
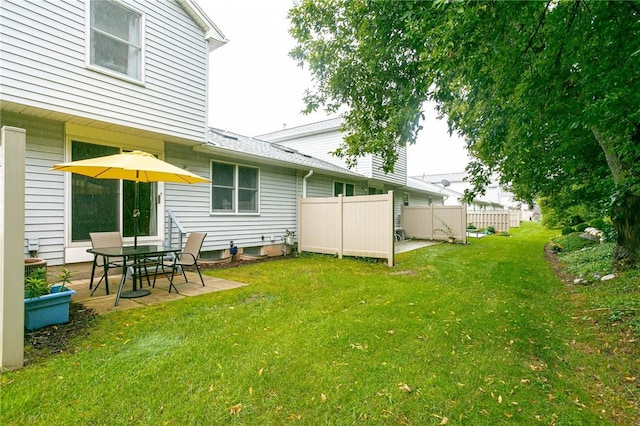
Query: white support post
[12, 172]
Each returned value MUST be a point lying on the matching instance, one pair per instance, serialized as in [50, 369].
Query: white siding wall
[44, 190]
[43, 66]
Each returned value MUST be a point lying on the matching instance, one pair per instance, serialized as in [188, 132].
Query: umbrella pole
[136, 215]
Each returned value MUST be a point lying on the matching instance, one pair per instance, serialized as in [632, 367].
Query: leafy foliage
[546, 94]
[36, 285]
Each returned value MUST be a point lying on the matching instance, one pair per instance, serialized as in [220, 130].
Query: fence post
[12, 172]
[341, 226]
[391, 237]
[299, 223]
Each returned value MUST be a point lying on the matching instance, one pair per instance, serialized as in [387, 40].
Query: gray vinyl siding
[44, 189]
[321, 145]
[421, 199]
[278, 198]
[43, 66]
[399, 175]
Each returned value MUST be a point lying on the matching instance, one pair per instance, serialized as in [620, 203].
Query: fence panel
[320, 225]
[347, 226]
[499, 219]
[515, 216]
[435, 222]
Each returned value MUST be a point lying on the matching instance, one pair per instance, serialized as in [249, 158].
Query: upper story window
[116, 39]
[234, 188]
[346, 189]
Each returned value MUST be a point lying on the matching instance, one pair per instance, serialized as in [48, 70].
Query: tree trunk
[625, 212]
[625, 215]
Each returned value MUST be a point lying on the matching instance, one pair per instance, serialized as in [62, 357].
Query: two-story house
[92, 78]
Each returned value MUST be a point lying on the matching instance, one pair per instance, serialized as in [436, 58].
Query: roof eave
[212, 34]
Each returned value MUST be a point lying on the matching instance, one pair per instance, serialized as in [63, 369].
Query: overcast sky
[255, 87]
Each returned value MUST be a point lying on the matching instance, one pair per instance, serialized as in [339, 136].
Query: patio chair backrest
[105, 239]
[194, 244]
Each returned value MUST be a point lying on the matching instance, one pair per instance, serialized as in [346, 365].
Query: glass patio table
[137, 255]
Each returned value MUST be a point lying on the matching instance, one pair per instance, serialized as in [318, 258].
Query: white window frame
[108, 71]
[235, 191]
[344, 188]
[406, 199]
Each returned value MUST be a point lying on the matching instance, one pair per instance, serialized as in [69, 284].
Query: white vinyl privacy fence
[347, 226]
[501, 220]
[435, 222]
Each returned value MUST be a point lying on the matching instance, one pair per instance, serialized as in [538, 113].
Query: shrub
[573, 242]
[582, 226]
[491, 229]
[568, 230]
[597, 223]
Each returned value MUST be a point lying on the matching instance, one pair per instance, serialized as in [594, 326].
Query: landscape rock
[608, 277]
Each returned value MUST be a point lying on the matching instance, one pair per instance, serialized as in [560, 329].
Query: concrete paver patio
[102, 303]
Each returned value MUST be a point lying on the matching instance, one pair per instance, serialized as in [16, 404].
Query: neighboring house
[321, 139]
[454, 184]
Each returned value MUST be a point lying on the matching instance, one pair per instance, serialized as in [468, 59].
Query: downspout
[304, 183]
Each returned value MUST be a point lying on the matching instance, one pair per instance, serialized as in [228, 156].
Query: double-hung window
[234, 188]
[115, 39]
[346, 189]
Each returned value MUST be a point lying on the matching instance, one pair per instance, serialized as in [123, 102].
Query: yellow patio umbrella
[138, 166]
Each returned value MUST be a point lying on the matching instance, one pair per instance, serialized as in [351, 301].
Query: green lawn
[454, 334]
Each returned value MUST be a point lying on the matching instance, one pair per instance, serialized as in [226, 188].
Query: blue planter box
[47, 310]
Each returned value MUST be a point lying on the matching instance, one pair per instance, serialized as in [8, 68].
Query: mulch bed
[556, 264]
[44, 342]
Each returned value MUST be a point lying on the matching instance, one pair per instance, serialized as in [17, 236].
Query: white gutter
[304, 183]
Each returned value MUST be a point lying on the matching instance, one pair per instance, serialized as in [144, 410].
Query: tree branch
[535, 33]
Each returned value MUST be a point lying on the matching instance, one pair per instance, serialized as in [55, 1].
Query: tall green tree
[546, 94]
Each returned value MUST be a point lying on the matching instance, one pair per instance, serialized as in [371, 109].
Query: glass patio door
[101, 205]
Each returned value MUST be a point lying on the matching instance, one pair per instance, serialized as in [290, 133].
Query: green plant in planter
[65, 278]
[46, 305]
[36, 285]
